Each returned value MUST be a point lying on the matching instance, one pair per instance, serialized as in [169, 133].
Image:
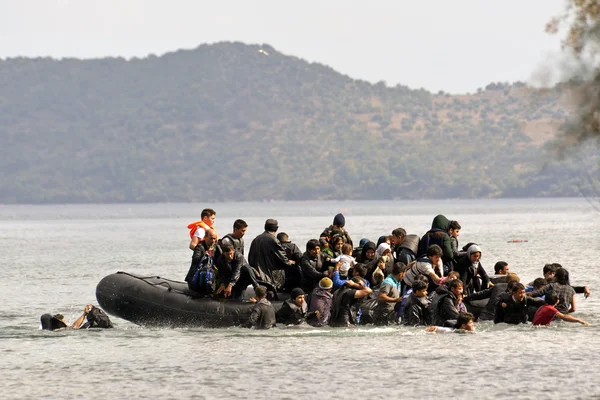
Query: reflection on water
[53, 256]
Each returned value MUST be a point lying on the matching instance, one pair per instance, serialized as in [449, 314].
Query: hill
[231, 121]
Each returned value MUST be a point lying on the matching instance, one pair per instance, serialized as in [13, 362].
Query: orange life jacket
[193, 227]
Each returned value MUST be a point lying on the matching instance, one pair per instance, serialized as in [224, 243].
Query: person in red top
[546, 313]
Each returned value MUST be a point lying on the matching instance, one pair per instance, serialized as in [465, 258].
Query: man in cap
[294, 311]
[267, 257]
[337, 228]
[321, 300]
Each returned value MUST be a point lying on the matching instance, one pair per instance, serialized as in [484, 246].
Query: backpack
[97, 318]
[204, 278]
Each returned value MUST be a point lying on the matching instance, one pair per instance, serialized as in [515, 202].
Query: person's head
[359, 280]
[383, 250]
[283, 237]
[434, 253]
[474, 253]
[359, 270]
[260, 292]
[562, 276]
[454, 229]
[419, 288]
[518, 292]
[456, 287]
[347, 249]
[362, 242]
[313, 247]
[271, 225]
[551, 299]
[398, 236]
[297, 296]
[549, 270]
[326, 284]
[539, 283]
[336, 242]
[344, 268]
[453, 275]
[465, 321]
[339, 221]
[239, 228]
[398, 270]
[211, 237]
[511, 276]
[53, 322]
[501, 268]
[208, 216]
[368, 251]
[228, 251]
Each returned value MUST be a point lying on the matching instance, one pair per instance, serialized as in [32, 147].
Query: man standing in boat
[198, 229]
[267, 257]
[236, 238]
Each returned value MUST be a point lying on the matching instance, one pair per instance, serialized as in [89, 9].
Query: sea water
[53, 256]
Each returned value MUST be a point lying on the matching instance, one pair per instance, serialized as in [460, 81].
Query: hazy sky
[451, 45]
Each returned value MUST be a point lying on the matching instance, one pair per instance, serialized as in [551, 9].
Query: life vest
[193, 227]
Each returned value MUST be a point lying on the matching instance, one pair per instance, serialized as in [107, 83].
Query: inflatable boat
[159, 302]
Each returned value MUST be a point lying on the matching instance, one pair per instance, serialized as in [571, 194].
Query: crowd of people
[400, 279]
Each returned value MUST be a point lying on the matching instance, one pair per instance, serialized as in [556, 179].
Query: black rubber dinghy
[159, 302]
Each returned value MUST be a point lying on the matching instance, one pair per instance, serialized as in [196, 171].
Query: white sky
[451, 45]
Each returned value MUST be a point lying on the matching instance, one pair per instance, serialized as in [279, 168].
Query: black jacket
[514, 312]
[311, 271]
[291, 314]
[443, 306]
[262, 315]
[266, 255]
[471, 283]
[229, 271]
[417, 311]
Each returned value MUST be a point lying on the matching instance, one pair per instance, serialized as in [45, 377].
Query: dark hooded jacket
[266, 256]
[407, 251]
[362, 258]
[443, 306]
[438, 234]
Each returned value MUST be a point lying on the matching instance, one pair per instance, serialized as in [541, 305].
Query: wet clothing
[564, 293]
[544, 315]
[417, 311]
[320, 300]
[291, 314]
[438, 234]
[444, 306]
[384, 312]
[311, 268]
[51, 322]
[493, 294]
[262, 315]
[514, 312]
[344, 307]
[267, 257]
[236, 272]
[238, 244]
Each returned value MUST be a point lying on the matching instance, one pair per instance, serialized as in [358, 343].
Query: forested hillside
[244, 122]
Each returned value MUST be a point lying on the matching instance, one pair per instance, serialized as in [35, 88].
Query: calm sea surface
[52, 257]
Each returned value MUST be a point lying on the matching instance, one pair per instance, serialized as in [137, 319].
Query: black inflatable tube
[159, 302]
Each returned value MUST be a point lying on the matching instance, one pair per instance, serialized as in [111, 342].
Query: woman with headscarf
[471, 271]
[381, 265]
